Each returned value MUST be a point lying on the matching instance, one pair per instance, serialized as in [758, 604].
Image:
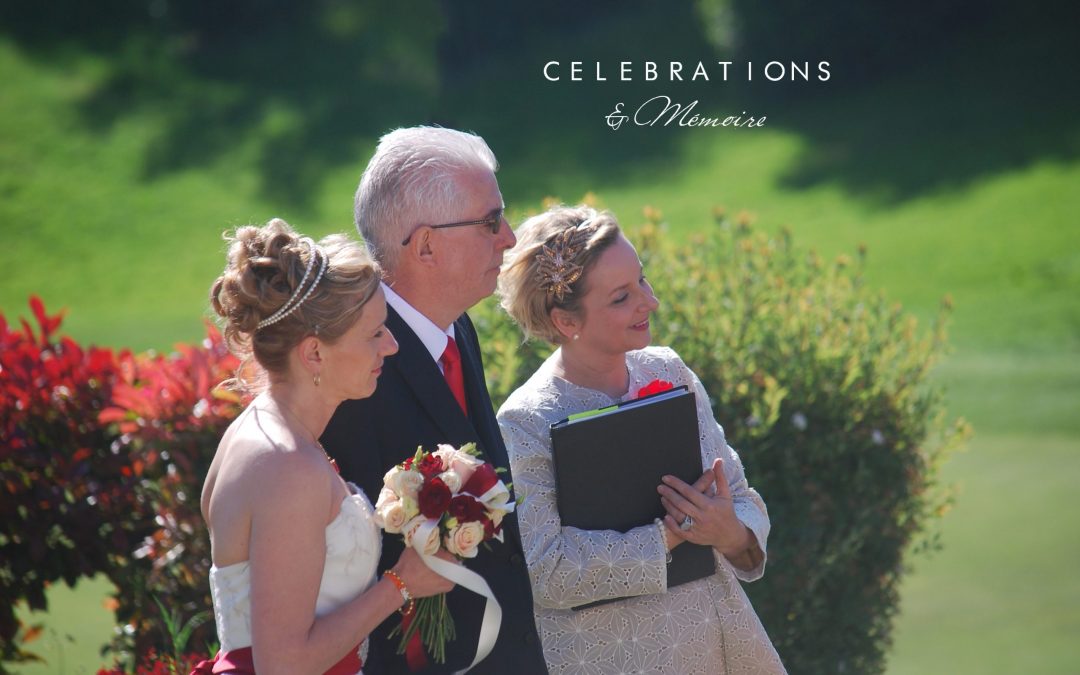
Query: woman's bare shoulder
[260, 459]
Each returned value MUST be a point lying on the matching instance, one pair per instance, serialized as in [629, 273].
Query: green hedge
[821, 384]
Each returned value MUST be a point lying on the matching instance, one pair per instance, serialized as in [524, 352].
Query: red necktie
[451, 361]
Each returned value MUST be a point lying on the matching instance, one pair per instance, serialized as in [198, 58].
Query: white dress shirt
[434, 338]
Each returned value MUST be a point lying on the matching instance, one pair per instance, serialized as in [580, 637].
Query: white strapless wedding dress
[353, 546]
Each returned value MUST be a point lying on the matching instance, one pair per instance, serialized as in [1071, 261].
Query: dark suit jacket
[412, 406]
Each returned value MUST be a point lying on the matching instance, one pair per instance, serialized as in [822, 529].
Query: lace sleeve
[569, 566]
[749, 506]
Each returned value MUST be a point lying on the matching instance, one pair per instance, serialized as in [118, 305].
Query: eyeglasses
[493, 221]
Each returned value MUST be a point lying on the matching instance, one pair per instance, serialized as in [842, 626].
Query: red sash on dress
[242, 662]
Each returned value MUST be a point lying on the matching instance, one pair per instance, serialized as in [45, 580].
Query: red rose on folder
[654, 387]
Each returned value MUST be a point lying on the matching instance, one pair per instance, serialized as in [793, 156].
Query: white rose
[426, 528]
[389, 512]
[464, 539]
[452, 480]
[445, 453]
[403, 483]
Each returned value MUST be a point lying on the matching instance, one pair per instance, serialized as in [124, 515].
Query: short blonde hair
[522, 290]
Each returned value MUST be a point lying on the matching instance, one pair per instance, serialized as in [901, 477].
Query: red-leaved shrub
[102, 457]
[68, 500]
[170, 415]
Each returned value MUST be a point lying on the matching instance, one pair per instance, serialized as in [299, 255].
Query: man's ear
[567, 323]
[422, 246]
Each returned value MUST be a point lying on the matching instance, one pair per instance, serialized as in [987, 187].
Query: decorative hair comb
[557, 269]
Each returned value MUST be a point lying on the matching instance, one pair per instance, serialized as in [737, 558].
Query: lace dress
[705, 626]
[353, 546]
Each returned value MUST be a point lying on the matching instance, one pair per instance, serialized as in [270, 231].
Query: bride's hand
[712, 512]
[418, 577]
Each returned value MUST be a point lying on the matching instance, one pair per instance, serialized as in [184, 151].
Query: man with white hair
[430, 211]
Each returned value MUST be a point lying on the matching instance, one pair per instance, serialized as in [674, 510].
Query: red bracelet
[409, 602]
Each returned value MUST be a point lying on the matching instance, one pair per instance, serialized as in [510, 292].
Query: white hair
[412, 180]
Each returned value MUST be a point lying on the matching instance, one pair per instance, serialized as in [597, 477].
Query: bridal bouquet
[447, 499]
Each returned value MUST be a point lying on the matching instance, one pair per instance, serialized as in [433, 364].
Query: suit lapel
[421, 374]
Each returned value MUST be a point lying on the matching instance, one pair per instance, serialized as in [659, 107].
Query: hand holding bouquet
[448, 499]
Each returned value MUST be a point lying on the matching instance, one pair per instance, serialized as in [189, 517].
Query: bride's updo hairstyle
[279, 287]
[549, 266]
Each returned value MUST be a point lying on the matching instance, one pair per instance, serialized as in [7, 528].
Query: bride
[294, 547]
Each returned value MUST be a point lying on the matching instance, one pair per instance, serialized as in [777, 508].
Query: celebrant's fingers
[687, 492]
[679, 501]
[672, 510]
[703, 484]
[722, 488]
[674, 533]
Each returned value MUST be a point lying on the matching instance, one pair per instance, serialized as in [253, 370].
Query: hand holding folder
[609, 462]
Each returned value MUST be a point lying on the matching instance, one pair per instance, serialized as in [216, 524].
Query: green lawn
[952, 189]
[76, 626]
[1002, 596]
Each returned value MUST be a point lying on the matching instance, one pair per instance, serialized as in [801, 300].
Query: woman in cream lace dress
[574, 280]
[294, 547]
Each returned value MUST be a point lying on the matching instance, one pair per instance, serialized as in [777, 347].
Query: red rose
[433, 498]
[491, 529]
[482, 480]
[466, 509]
[431, 466]
[654, 387]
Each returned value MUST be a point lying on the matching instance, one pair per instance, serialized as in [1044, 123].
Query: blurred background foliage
[947, 139]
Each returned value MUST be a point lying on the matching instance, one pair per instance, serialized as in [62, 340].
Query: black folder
[608, 464]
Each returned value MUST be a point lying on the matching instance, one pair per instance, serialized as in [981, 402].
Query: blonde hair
[524, 291]
[264, 267]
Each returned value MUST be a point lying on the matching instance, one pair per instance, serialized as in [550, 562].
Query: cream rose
[426, 528]
[411, 506]
[403, 483]
[464, 539]
[390, 512]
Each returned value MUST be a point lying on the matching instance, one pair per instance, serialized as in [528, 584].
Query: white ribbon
[463, 576]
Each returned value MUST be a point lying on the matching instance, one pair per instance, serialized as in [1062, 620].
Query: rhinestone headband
[296, 299]
[557, 269]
